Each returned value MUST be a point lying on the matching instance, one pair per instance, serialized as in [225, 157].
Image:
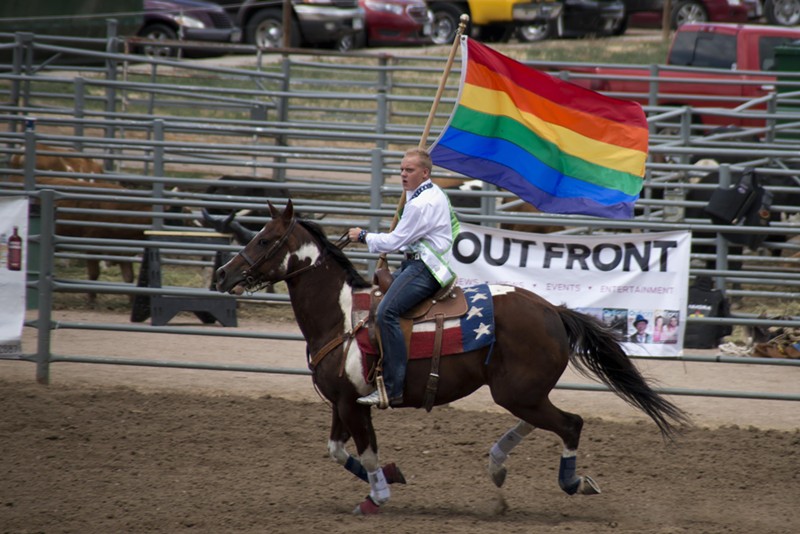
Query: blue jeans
[413, 283]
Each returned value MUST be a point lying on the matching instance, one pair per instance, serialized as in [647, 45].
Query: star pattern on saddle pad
[482, 330]
[471, 331]
[478, 296]
[474, 311]
[480, 316]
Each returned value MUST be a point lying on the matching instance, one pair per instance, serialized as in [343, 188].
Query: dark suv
[313, 22]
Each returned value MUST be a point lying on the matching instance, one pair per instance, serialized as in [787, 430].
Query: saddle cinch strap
[448, 303]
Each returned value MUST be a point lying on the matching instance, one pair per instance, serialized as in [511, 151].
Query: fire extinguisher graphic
[15, 251]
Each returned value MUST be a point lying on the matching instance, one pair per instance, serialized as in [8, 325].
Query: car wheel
[346, 43]
[532, 33]
[496, 33]
[686, 12]
[158, 32]
[621, 28]
[446, 18]
[782, 12]
[265, 30]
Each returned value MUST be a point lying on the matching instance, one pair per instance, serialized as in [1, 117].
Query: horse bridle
[252, 276]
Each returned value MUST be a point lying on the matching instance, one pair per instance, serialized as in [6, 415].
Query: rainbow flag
[561, 147]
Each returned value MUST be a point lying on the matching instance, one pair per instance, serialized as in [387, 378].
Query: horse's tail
[596, 347]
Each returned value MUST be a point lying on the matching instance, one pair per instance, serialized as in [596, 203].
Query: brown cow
[68, 160]
[91, 230]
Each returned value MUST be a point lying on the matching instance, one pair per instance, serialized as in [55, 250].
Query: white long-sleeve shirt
[426, 214]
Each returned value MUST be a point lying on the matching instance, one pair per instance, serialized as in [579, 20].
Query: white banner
[13, 261]
[636, 283]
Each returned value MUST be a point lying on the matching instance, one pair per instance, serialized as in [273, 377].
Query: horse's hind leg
[502, 447]
[568, 427]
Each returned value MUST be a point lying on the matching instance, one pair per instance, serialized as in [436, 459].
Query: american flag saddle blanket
[471, 331]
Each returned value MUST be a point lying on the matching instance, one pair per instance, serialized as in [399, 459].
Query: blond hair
[423, 157]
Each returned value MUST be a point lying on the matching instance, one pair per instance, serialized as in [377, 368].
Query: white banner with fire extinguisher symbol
[13, 251]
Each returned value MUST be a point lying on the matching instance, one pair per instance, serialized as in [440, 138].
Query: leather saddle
[449, 302]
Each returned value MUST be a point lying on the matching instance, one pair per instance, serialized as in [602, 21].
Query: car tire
[496, 33]
[688, 11]
[782, 12]
[531, 33]
[346, 42]
[621, 28]
[265, 30]
[158, 32]
[446, 18]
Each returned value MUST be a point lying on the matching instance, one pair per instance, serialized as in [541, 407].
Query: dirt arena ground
[110, 448]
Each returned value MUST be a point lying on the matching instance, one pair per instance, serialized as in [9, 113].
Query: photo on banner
[13, 261]
[637, 284]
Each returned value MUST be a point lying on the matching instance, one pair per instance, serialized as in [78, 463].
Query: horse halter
[251, 275]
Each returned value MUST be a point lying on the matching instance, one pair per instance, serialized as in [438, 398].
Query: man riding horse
[424, 234]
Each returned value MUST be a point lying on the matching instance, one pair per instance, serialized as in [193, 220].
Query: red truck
[741, 52]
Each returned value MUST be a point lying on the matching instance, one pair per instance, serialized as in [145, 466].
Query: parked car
[313, 22]
[185, 20]
[579, 17]
[395, 22]
[687, 11]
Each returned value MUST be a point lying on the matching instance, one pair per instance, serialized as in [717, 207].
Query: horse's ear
[288, 213]
[273, 211]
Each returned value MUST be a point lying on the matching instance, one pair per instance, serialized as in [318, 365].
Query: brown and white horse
[534, 342]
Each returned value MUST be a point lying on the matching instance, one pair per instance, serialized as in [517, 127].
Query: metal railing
[334, 152]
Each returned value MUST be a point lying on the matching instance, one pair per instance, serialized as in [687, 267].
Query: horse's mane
[353, 277]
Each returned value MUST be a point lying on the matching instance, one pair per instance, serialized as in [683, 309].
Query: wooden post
[287, 23]
[666, 21]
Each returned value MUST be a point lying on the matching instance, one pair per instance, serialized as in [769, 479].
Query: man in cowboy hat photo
[640, 336]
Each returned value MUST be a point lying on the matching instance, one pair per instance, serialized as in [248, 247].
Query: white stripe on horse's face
[353, 364]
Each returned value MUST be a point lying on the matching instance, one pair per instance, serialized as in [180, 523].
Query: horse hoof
[588, 486]
[368, 507]
[499, 476]
[393, 474]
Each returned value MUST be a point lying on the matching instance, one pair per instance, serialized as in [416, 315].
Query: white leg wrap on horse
[500, 450]
[379, 488]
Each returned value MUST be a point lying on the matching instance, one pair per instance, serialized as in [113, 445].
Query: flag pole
[462, 26]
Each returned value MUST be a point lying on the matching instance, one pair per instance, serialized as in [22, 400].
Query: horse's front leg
[351, 419]
[338, 451]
